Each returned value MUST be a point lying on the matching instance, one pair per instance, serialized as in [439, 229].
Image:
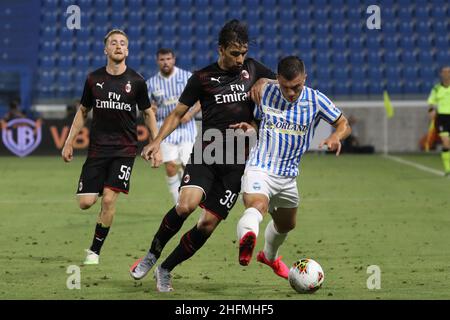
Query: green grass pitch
[355, 211]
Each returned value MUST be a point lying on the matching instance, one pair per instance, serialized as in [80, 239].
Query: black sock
[99, 238]
[170, 225]
[189, 244]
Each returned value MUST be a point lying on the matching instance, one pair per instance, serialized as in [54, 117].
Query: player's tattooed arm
[77, 124]
[257, 89]
[342, 131]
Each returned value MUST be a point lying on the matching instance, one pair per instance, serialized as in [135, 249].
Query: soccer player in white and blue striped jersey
[289, 113]
[164, 89]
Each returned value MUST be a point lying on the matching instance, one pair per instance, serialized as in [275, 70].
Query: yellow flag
[388, 105]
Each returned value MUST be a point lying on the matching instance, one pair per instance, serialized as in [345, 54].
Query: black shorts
[221, 184]
[98, 173]
[443, 123]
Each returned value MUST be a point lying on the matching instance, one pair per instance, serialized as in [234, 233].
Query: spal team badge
[22, 136]
[128, 87]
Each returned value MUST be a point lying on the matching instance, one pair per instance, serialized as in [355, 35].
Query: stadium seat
[374, 58]
[252, 17]
[168, 31]
[321, 29]
[100, 5]
[421, 13]
[322, 44]
[201, 32]
[151, 17]
[118, 6]
[341, 88]
[393, 73]
[303, 14]
[48, 47]
[441, 42]
[134, 18]
[100, 18]
[48, 62]
[323, 58]
[358, 74]
[423, 27]
[269, 31]
[64, 63]
[339, 58]
[135, 5]
[219, 17]
[288, 45]
[438, 13]
[407, 43]
[235, 13]
[305, 44]
[391, 43]
[118, 19]
[357, 59]
[442, 57]
[150, 5]
[65, 47]
[391, 57]
[441, 27]
[82, 62]
[409, 57]
[151, 31]
[269, 17]
[358, 87]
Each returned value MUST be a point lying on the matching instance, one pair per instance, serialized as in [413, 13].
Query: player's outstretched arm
[257, 89]
[77, 124]
[170, 123]
[192, 112]
[342, 131]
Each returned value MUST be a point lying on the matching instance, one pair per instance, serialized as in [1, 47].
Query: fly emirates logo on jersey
[112, 103]
[237, 94]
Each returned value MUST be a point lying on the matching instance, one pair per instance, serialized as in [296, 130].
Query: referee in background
[439, 102]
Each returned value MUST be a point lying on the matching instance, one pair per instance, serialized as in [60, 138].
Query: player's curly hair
[234, 31]
[290, 67]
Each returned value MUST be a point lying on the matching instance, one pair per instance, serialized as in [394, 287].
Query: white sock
[174, 183]
[273, 240]
[249, 221]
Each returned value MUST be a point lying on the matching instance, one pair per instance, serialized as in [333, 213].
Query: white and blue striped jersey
[164, 92]
[286, 129]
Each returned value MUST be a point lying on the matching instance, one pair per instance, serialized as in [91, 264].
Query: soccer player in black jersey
[112, 92]
[224, 90]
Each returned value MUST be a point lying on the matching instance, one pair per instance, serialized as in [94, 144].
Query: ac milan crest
[245, 75]
[128, 87]
[186, 178]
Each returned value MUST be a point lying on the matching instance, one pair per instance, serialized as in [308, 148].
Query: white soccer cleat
[142, 266]
[91, 257]
[163, 280]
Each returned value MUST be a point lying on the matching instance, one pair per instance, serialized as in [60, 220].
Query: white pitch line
[415, 165]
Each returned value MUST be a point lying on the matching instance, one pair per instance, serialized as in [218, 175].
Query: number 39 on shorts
[229, 199]
[125, 173]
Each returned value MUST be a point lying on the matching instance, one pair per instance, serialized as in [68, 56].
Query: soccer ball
[306, 276]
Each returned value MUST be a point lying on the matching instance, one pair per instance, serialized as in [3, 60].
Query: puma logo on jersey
[215, 79]
[100, 85]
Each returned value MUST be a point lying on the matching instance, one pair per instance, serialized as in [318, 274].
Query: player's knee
[206, 227]
[185, 208]
[285, 227]
[108, 202]
[85, 204]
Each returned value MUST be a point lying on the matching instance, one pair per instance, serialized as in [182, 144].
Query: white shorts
[281, 191]
[178, 153]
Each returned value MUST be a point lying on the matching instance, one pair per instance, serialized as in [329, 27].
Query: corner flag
[388, 105]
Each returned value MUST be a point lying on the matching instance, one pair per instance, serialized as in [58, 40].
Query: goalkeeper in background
[439, 101]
